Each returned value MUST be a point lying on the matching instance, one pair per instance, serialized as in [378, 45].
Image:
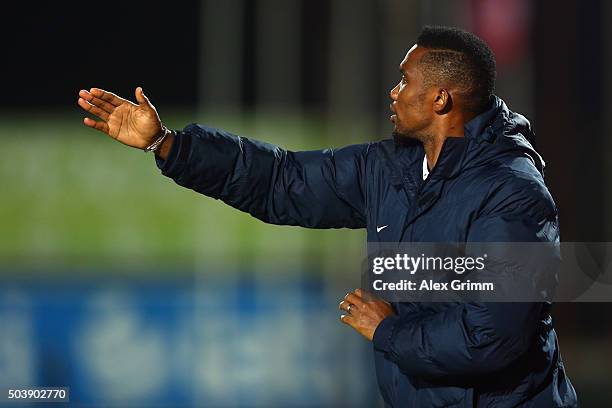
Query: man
[461, 168]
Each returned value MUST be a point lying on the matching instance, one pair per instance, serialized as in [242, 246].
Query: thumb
[141, 98]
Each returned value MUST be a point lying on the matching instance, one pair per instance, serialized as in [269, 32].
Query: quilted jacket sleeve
[315, 189]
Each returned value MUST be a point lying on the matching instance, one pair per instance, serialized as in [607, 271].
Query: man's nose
[393, 92]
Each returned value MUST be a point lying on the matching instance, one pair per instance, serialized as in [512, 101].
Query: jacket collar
[482, 128]
[451, 157]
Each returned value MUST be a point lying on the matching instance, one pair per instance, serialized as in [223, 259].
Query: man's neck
[432, 151]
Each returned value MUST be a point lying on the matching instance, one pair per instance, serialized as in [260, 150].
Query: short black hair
[460, 58]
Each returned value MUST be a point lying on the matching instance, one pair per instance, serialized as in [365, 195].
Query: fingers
[107, 96]
[351, 301]
[353, 298]
[348, 320]
[93, 109]
[344, 305]
[99, 125]
[96, 101]
[141, 98]
[365, 296]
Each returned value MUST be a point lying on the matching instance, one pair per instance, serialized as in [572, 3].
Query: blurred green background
[73, 196]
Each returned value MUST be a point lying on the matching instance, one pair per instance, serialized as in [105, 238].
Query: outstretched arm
[315, 189]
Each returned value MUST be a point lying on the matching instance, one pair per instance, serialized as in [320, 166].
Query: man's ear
[443, 102]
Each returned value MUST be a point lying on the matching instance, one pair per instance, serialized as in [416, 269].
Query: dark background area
[55, 49]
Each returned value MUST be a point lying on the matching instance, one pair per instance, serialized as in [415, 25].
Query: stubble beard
[411, 136]
[422, 135]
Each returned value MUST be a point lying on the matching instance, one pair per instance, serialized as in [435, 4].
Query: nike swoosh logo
[378, 229]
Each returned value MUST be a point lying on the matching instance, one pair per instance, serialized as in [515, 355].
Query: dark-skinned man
[460, 168]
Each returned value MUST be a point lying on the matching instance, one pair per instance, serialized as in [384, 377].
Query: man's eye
[403, 80]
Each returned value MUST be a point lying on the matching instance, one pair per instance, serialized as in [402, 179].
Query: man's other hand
[135, 125]
[364, 314]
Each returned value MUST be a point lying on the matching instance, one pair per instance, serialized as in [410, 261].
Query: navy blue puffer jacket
[486, 187]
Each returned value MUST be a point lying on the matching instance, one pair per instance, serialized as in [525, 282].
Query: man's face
[412, 111]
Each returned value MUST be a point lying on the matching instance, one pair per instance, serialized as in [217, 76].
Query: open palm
[135, 125]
